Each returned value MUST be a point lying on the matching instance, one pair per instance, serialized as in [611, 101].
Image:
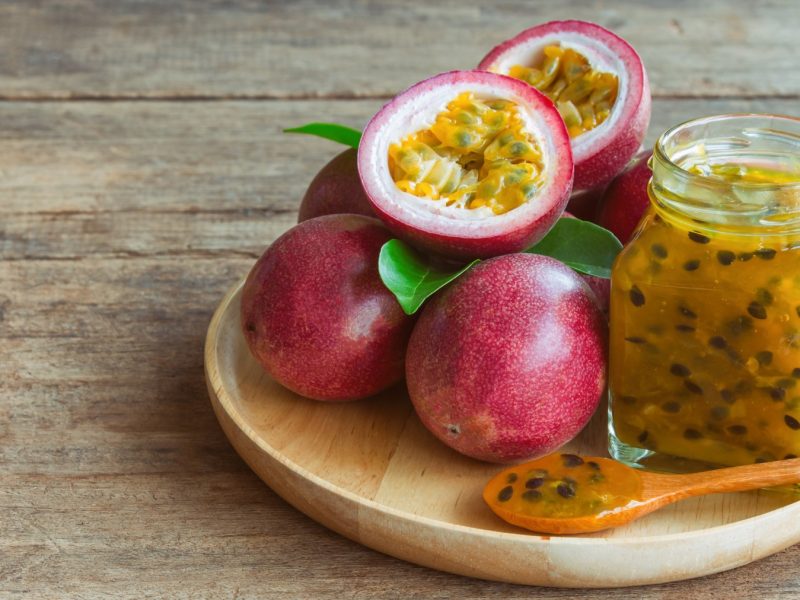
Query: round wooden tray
[371, 472]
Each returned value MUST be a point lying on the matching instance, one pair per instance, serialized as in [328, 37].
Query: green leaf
[584, 246]
[330, 131]
[410, 277]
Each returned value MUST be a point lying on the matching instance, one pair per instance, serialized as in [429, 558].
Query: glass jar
[705, 301]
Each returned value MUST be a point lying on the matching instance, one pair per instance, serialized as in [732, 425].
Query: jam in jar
[705, 301]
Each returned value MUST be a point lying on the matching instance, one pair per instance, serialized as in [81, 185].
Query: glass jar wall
[705, 301]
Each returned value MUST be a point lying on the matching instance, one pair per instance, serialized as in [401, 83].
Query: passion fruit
[336, 189]
[626, 199]
[316, 315]
[584, 204]
[598, 83]
[509, 362]
[467, 164]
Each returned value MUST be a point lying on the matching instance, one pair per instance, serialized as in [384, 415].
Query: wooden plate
[371, 472]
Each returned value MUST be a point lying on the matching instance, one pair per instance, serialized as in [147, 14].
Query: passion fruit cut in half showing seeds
[467, 164]
[508, 362]
[336, 189]
[598, 83]
[316, 315]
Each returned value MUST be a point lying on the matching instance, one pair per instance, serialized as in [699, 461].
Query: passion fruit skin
[584, 204]
[599, 159]
[316, 315]
[626, 199]
[509, 362]
[446, 235]
[462, 249]
[336, 189]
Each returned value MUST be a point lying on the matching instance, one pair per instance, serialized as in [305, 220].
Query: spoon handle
[736, 479]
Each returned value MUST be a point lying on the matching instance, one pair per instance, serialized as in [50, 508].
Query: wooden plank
[101, 157]
[244, 48]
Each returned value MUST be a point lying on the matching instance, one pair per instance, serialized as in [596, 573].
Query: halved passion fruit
[598, 83]
[467, 164]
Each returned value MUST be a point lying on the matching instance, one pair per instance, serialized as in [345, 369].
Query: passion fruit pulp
[509, 361]
[598, 83]
[467, 164]
[336, 189]
[316, 315]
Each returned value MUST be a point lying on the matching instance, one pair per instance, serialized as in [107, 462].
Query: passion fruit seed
[764, 358]
[680, 370]
[583, 95]
[534, 482]
[476, 154]
[698, 237]
[691, 265]
[566, 489]
[636, 296]
[717, 341]
[692, 387]
[505, 494]
[571, 460]
[726, 257]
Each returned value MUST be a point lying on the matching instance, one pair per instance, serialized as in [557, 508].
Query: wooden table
[142, 170]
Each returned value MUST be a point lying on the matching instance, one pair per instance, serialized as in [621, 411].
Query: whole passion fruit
[316, 315]
[509, 362]
[336, 189]
[626, 200]
[598, 83]
[467, 164]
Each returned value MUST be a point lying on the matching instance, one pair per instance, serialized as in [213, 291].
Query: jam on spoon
[567, 493]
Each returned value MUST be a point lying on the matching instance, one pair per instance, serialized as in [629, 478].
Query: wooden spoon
[565, 493]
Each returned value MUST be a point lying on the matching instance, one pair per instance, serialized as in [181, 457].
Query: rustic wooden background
[142, 170]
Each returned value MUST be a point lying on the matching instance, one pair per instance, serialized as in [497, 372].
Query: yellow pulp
[583, 96]
[476, 154]
[705, 338]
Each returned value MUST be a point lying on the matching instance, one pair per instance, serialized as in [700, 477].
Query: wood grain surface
[142, 171]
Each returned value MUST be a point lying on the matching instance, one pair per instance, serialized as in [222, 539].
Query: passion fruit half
[467, 164]
[598, 83]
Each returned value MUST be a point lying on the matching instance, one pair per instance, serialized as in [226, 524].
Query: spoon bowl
[569, 494]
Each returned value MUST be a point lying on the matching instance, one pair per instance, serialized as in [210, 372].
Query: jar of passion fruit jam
[705, 301]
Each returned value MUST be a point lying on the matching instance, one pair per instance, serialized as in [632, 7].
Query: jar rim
[661, 154]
